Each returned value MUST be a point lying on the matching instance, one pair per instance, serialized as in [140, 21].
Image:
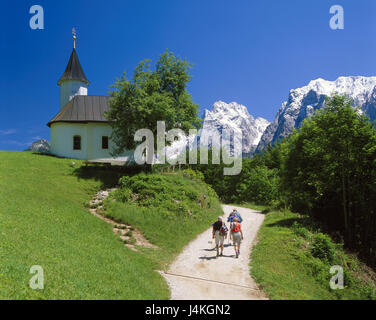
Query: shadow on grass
[287, 223]
[108, 175]
[44, 154]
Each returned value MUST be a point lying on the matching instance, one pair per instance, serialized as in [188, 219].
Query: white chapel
[80, 129]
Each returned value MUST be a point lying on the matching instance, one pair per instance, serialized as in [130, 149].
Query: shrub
[122, 194]
[173, 195]
[123, 181]
[322, 247]
[194, 174]
[319, 270]
[300, 230]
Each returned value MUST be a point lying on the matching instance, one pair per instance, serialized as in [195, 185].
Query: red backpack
[223, 230]
[236, 227]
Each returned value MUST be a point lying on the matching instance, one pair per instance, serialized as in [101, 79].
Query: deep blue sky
[248, 51]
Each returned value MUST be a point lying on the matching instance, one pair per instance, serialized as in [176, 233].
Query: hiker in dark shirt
[219, 233]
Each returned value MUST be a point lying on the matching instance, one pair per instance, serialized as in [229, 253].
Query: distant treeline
[326, 169]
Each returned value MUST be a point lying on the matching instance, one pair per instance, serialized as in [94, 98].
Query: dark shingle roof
[83, 109]
[73, 71]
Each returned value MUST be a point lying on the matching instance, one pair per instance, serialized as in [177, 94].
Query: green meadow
[45, 222]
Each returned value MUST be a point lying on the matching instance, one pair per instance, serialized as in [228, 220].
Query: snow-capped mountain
[235, 117]
[232, 116]
[302, 103]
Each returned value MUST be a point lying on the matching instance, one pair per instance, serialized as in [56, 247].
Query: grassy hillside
[170, 209]
[292, 260]
[44, 222]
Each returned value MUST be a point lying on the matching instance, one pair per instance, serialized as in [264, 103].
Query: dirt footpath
[197, 274]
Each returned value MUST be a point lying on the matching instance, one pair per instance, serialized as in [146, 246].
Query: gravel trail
[198, 275]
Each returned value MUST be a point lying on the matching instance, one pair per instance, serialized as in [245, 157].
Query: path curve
[197, 274]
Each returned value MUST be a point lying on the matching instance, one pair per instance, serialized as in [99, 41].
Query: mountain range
[303, 102]
[300, 104]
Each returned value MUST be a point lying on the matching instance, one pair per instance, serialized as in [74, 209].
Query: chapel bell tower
[73, 82]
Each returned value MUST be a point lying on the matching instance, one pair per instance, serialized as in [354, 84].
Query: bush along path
[197, 274]
[130, 236]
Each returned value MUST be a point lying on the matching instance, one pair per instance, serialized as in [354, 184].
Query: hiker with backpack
[230, 219]
[219, 233]
[236, 234]
[234, 214]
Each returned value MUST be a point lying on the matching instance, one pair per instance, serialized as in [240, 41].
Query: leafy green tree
[275, 155]
[151, 96]
[257, 184]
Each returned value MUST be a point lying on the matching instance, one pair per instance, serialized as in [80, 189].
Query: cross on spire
[74, 37]
[73, 71]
